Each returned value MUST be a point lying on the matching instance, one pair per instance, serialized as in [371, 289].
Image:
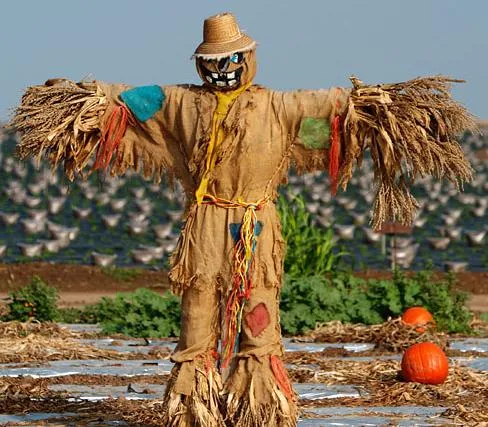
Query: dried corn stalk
[411, 130]
[62, 120]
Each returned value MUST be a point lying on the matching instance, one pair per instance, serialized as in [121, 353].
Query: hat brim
[221, 50]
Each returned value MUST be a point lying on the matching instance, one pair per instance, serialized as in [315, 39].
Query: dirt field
[84, 284]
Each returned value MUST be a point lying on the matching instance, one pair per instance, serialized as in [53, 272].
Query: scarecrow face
[228, 73]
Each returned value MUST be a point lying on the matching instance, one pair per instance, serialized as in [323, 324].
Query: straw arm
[71, 123]
[411, 129]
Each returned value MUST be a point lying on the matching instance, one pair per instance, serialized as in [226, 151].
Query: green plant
[122, 274]
[309, 249]
[142, 313]
[37, 300]
[447, 304]
[307, 301]
[87, 314]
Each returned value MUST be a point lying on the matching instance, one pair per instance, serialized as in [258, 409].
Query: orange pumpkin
[417, 316]
[425, 363]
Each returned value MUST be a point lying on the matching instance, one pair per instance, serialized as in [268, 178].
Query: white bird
[370, 235]
[118, 205]
[103, 260]
[345, 232]
[102, 199]
[32, 202]
[359, 218]
[37, 215]
[52, 246]
[81, 213]
[55, 204]
[419, 222]
[9, 218]
[455, 266]
[454, 233]
[162, 231]
[156, 251]
[175, 215]
[137, 227]
[476, 238]
[138, 192]
[142, 256]
[438, 243]
[110, 221]
[32, 226]
[30, 249]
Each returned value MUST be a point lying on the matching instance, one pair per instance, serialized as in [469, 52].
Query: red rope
[112, 136]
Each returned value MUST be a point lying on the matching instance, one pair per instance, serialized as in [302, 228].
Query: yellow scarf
[224, 101]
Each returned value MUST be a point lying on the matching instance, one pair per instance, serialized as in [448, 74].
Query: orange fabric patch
[281, 377]
[258, 319]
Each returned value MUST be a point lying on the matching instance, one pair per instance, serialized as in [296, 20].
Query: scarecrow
[230, 144]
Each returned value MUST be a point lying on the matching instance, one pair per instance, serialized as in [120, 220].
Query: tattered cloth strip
[392, 335]
[112, 136]
[334, 155]
[411, 129]
[61, 119]
[242, 263]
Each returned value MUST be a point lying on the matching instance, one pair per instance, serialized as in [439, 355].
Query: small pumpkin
[417, 316]
[425, 363]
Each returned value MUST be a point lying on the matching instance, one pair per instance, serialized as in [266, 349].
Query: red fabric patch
[258, 319]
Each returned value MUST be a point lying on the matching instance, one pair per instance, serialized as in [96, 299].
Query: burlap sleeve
[149, 144]
[307, 117]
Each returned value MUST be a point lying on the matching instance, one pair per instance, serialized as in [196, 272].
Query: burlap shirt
[261, 143]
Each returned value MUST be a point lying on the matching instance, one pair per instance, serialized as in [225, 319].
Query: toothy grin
[230, 79]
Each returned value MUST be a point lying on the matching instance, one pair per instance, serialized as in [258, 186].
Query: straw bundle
[15, 329]
[40, 348]
[410, 129]
[392, 335]
[61, 119]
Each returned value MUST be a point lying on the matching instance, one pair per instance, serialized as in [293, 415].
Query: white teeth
[231, 75]
[209, 79]
[220, 83]
[232, 82]
[215, 75]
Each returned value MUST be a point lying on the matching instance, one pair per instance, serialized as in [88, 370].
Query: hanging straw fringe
[411, 130]
[61, 119]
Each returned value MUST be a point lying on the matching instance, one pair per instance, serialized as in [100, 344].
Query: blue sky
[302, 44]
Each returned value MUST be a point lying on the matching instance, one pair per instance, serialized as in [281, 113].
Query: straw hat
[222, 37]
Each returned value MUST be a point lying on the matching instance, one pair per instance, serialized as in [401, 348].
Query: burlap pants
[254, 390]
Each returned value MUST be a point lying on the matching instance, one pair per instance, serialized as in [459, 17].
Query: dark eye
[236, 58]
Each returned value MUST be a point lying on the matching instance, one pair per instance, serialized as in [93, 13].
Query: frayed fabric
[253, 397]
[201, 408]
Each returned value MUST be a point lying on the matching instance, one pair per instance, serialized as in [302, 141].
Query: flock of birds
[42, 216]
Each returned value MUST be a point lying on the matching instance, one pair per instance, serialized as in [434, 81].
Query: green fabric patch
[314, 133]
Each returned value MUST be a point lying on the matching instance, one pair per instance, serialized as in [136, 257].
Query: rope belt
[242, 264]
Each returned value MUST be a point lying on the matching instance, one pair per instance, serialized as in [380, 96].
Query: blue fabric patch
[235, 230]
[144, 101]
